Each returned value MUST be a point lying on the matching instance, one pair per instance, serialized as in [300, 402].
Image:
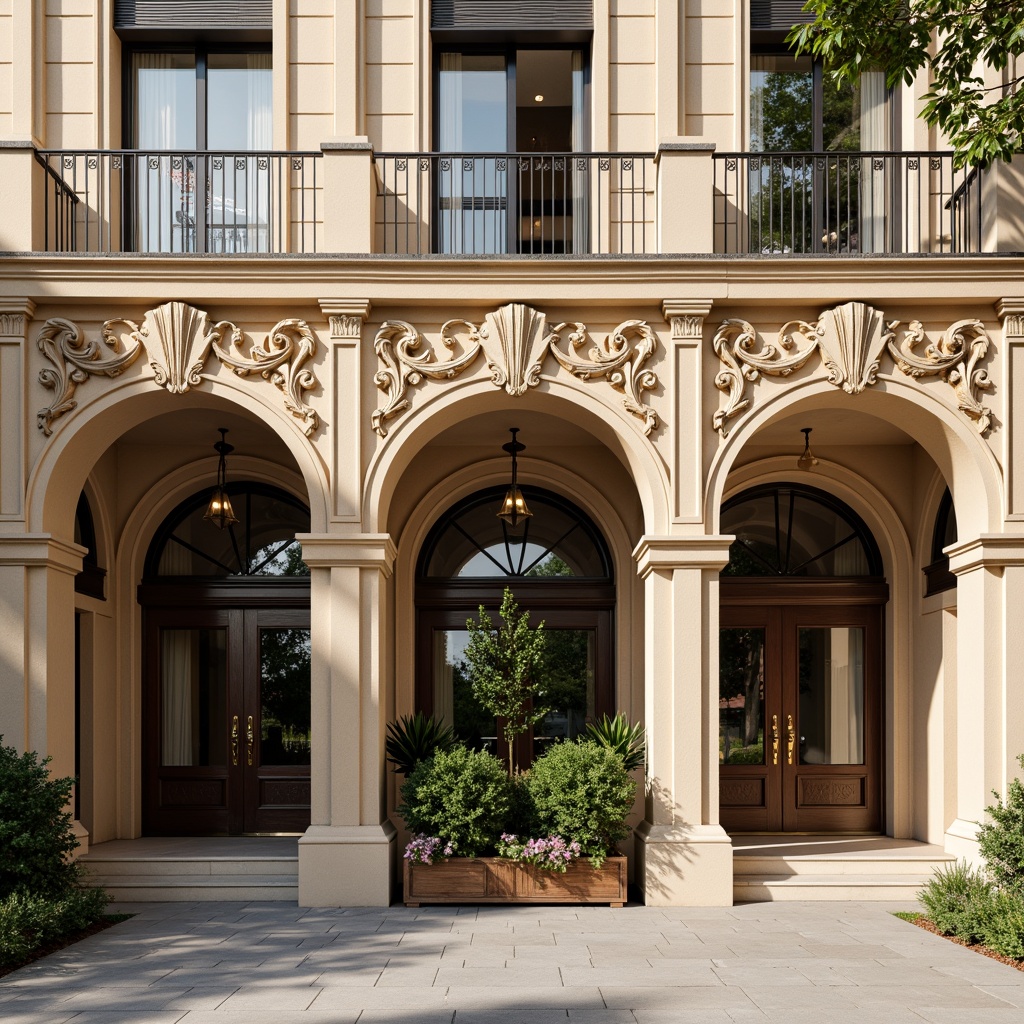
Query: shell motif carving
[178, 340]
[516, 341]
[519, 330]
[851, 340]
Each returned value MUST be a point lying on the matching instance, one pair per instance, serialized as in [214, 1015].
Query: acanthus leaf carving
[396, 343]
[516, 342]
[75, 359]
[280, 358]
[954, 358]
[851, 340]
[734, 343]
[178, 340]
[618, 359]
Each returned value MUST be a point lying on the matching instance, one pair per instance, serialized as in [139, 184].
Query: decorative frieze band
[851, 340]
[177, 339]
[516, 342]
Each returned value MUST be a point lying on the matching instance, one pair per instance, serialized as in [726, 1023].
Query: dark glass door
[800, 717]
[227, 715]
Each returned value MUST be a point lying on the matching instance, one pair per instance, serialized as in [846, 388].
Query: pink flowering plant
[424, 849]
[550, 852]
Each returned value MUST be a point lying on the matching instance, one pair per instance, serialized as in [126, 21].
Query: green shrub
[29, 921]
[1002, 923]
[582, 792]
[463, 796]
[415, 738]
[36, 837]
[1001, 840]
[956, 900]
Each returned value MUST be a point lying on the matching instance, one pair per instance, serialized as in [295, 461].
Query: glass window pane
[454, 703]
[284, 696]
[165, 100]
[781, 98]
[568, 686]
[831, 723]
[741, 696]
[193, 697]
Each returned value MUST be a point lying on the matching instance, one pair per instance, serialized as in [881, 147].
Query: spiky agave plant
[628, 741]
[415, 738]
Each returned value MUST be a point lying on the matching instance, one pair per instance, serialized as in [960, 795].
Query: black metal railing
[515, 203]
[181, 201]
[860, 202]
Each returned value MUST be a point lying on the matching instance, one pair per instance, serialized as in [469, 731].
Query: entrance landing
[159, 869]
[831, 867]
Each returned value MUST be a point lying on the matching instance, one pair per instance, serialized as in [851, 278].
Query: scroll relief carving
[851, 340]
[178, 340]
[516, 342]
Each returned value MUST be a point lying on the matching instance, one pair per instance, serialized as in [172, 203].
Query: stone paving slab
[270, 963]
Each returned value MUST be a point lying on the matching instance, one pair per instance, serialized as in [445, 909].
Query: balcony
[683, 200]
[776, 204]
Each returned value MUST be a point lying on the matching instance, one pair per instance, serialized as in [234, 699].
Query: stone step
[849, 864]
[170, 888]
[179, 865]
[900, 886]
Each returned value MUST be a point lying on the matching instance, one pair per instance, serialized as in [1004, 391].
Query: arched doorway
[226, 669]
[559, 568]
[800, 665]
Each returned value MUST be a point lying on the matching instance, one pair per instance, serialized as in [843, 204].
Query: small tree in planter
[506, 668]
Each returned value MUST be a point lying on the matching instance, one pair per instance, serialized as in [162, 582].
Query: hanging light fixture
[807, 460]
[219, 511]
[513, 509]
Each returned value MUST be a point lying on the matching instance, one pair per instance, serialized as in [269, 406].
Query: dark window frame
[938, 578]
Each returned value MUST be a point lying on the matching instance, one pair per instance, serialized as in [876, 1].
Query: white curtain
[256, 206]
[444, 693]
[177, 679]
[874, 135]
[580, 173]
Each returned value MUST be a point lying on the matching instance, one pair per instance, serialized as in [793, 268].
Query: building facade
[368, 237]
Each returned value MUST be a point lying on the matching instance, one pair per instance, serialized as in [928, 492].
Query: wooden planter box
[496, 880]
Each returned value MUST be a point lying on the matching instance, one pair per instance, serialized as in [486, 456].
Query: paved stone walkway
[797, 963]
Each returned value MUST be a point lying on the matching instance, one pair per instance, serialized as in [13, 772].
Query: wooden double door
[800, 707]
[226, 743]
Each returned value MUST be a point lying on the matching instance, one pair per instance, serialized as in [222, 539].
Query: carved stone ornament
[516, 342]
[851, 340]
[178, 340]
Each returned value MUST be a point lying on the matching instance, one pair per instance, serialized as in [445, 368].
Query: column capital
[41, 550]
[658, 554]
[356, 550]
[987, 551]
[346, 317]
[15, 313]
[686, 317]
[1011, 312]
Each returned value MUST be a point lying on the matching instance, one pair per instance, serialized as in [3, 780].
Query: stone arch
[962, 456]
[558, 399]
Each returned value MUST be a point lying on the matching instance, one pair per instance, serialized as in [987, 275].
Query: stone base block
[961, 840]
[684, 865]
[346, 866]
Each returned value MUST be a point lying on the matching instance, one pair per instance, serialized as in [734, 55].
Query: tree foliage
[506, 667]
[955, 41]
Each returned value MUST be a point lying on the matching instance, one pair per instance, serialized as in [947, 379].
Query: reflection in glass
[193, 694]
[789, 531]
[284, 696]
[831, 695]
[568, 689]
[741, 696]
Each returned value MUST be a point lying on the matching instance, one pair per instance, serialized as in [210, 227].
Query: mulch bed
[69, 940]
[923, 922]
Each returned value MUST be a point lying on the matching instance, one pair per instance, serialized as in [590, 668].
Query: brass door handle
[248, 736]
[791, 741]
[775, 739]
[234, 740]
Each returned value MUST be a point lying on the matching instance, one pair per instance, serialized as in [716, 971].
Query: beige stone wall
[310, 74]
[632, 91]
[70, 34]
[714, 63]
[395, 74]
